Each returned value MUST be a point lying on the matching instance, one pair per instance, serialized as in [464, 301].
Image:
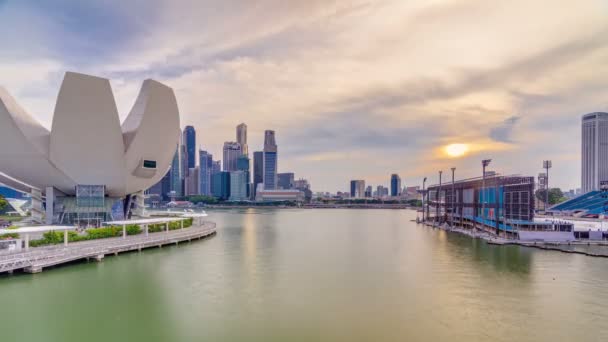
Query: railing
[57, 254]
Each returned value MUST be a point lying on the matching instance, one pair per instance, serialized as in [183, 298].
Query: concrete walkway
[36, 259]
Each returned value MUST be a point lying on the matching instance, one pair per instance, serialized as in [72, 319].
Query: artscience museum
[89, 167]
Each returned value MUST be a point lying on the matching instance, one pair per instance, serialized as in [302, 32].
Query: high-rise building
[216, 167]
[232, 150]
[395, 185]
[241, 138]
[192, 182]
[258, 170]
[381, 191]
[594, 150]
[357, 188]
[285, 180]
[176, 185]
[242, 164]
[220, 185]
[189, 141]
[368, 191]
[238, 185]
[303, 185]
[160, 189]
[205, 169]
[270, 161]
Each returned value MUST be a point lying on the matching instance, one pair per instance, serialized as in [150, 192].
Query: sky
[354, 89]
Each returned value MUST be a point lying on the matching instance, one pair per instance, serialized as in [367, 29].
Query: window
[149, 164]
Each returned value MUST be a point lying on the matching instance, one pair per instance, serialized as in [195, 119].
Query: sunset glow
[456, 150]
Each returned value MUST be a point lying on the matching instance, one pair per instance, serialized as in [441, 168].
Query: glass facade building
[220, 183]
[189, 141]
[258, 170]
[395, 185]
[238, 185]
[270, 170]
[176, 181]
[205, 169]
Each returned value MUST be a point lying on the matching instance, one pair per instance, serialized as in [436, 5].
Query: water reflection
[315, 275]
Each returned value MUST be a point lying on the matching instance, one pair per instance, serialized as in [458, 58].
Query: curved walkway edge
[36, 259]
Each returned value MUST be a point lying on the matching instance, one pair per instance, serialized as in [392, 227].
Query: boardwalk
[36, 259]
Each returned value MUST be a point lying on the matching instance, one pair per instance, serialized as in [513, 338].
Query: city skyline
[336, 100]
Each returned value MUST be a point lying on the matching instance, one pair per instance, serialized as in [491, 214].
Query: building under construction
[501, 205]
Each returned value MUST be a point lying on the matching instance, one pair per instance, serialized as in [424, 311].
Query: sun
[456, 150]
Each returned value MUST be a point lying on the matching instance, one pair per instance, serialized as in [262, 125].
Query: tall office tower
[368, 191]
[176, 174]
[357, 188]
[270, 161]
[242, 164]
[216, 167]
[238, 185]
[189, 140]
[192, 182]
[157, 192]
[395, 185]
[301, 184]
[220, 185]
[205, 168]
[241, 138]
[258, 171]
[232, 150]
[594, 150]
[380, 191]
[285, 180]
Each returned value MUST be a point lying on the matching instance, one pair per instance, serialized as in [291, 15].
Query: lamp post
[423, 194]
[438, 211]
[484, 164]
[453, 197]
[547, 165]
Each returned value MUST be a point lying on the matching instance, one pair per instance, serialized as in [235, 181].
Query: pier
[569, 247]
[35, 260]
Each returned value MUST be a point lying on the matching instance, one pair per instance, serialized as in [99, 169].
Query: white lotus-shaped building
[87, 145]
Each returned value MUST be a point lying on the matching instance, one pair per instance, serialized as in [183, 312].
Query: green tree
[202, 199]
[555, 195]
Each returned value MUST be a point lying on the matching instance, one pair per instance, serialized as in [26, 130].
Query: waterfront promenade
[36, 259]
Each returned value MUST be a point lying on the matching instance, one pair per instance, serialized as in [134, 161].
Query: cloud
[354, 89]
[503, 131]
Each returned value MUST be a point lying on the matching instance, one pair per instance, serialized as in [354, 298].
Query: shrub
[9, 236]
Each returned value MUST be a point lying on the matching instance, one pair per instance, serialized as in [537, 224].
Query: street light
[484, 164]
[423, 194]
[439, 199]
[453, 196]
[547, 165]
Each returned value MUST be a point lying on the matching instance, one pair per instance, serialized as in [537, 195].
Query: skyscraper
[192, 182]
[205, 167]
[285, 180]
[395, 185]
[238, 185]
[258, 170]
[242, 164]
[241, 138]
[216, 167]
[220, 185]
[270, 161]
[189, 141]
[594, 150]
[357, 188]
[232, 150]
[176, 174]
